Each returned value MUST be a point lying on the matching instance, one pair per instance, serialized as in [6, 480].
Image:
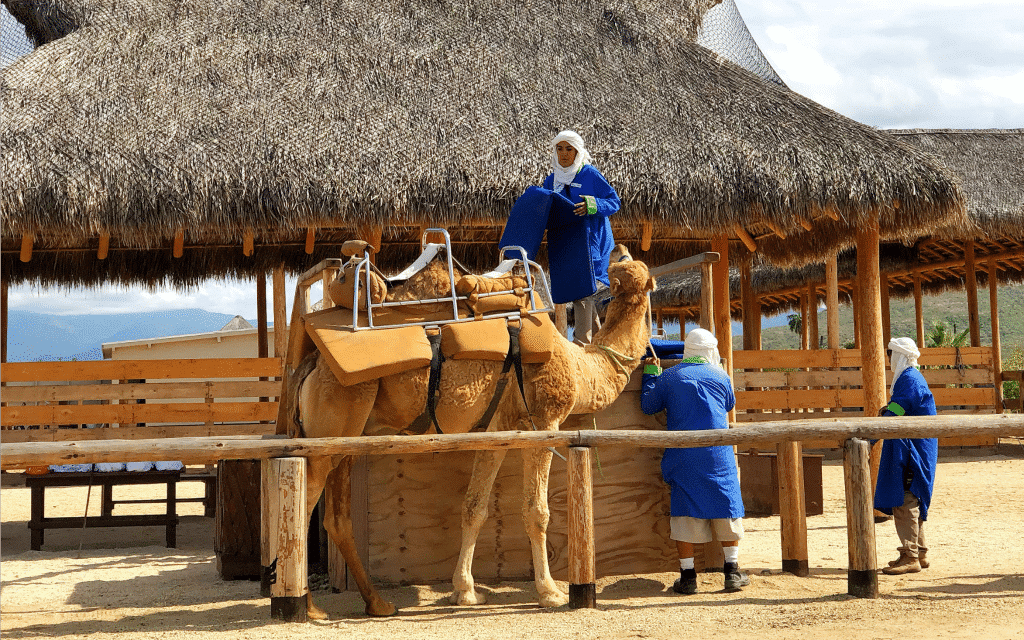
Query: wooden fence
[138, 399]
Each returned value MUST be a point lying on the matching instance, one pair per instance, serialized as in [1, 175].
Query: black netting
[13, 42]
[724, 32]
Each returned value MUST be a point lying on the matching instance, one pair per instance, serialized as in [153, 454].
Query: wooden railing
[133, 399]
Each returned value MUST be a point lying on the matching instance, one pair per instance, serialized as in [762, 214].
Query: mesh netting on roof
[13, 43]
[724, 32]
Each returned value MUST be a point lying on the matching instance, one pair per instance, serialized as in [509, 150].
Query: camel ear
[651, 285]
[616, 286]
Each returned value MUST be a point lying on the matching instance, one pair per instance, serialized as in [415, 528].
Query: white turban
[904, 356]
[701, 342]
[565, 175]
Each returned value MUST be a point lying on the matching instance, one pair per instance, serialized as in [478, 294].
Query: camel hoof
[553, 599]
[314, 612]
[380, 609]
[469, 598]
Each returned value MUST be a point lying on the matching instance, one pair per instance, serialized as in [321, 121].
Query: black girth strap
[513, 358]
[420, 425]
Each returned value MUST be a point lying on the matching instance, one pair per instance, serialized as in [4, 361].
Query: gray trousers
[910, 526]
[586, 320]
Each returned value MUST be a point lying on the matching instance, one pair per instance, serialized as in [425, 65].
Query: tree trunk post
[582, 579]
[792, 508]
[832, 295]
[997, 353]
[284, 501]
[971, 282]
[862, 577]
[918, 310]
[723, 319]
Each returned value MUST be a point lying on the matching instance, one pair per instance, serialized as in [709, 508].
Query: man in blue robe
[705, 490]
[906, 471]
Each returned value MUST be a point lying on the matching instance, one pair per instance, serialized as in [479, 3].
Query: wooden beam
[374, 235]
[723, 318]
[707, 301]
[698, 260]
[3, 319]
[777, 231]
[883, 287]
[747, 239]
[262, 347]
[582, 576]
[805, 322]
[792, 508]
[805, 223]
[812, 316]
[831, 211]
[832, 295]
[646, 235]
[280, 313]
[971, 284]
[26, 247]
[997, 354]
[310, 239]
[178, 249]
[918, 311]
[862, 577]
[247, 243]
[751, 306]
[104, 248]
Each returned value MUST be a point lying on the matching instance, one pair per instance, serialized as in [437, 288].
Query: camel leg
[317, 470]
[338, 523]
[536, 469]
[474, 513]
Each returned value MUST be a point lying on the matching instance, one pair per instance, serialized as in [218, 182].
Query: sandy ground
[123, 583]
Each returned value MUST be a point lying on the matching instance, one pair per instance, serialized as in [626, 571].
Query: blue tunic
[703, 480]
[913, 455]
[590, 182]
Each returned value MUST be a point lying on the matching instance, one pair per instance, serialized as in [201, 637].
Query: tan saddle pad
[488, 339]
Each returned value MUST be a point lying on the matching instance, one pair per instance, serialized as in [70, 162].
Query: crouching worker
[906, 471]
[697, 394]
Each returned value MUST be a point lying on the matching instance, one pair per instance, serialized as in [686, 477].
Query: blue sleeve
[605, 198]
[731, 395]
[650, 399]
[549, 182]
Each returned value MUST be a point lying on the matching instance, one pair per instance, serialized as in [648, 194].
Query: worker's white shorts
[698, 530]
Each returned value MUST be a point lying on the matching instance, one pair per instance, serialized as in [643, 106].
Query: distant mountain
[42, 336]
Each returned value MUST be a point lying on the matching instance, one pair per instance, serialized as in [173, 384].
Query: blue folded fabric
[667, 349]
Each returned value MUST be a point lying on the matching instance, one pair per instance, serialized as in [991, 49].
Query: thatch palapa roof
[218, 119]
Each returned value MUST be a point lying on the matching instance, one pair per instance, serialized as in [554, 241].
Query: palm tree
[940, 335]
[796, 323]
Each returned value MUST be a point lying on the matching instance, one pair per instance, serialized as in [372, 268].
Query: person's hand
[652, 360]
[581, 208]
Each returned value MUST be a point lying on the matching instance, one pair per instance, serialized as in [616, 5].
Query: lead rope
[85, 518]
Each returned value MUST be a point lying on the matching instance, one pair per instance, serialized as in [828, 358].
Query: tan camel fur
[576, 380]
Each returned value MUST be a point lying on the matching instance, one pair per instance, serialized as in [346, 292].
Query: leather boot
[905, 564]
[922, 558]
[903, 554]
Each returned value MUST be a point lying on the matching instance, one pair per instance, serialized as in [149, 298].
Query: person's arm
[900, 400]
[605, 201]
[650, 399]
[549, 182]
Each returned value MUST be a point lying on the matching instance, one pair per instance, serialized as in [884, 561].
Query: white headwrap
[565, 175]
[701, 342]
[904, 356]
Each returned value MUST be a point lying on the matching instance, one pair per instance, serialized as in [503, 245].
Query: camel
[576, 380]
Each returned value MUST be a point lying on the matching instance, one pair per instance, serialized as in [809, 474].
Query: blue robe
[703, 480]
[912, 455]
[590, 182]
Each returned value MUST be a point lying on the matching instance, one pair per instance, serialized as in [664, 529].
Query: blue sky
[907, 64]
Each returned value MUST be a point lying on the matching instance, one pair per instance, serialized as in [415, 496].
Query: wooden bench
[106, 481]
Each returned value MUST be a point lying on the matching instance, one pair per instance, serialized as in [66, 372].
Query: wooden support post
[178, 249]
[284, 503]
[918, 310]
[812, 316]
[832, 300]
[997, 353]
[26, 247]
[707, 302]
[723, 319]
[805, 317]
[582, 579]
[562, 320]
[855, 304]
[248, 243]
[792, 508]
[971, 282]
[646, 235]
[310, 239]
[280, 314]
[104, 248]
[262, 346]
[862, 577]
[3, 319]
[872, 344]
[751, 306]
[745, 238]
[883, 286]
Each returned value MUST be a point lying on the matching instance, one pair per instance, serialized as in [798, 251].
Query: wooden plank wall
[414, 528]
[129, 399]
[776, 385]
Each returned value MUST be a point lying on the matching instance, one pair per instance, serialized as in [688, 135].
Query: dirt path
[125, 584]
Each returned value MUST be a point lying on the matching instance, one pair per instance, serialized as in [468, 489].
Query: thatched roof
[220, 117]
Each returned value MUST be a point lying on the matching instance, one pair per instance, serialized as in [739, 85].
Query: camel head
[630, 279]
[619, 254]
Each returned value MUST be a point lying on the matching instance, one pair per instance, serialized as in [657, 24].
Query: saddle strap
[422, 422]
[513, 358]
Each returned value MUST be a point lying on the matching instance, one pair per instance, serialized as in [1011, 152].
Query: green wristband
[591, 205]
[897, 409]
[652, 370]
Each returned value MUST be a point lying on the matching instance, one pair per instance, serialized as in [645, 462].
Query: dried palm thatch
[222, 118]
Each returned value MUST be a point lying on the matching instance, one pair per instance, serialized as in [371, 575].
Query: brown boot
[905, 564]
[922, 558]
[903, 555]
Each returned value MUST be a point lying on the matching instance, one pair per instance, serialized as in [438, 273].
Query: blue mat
[569, 261]
[667, 349]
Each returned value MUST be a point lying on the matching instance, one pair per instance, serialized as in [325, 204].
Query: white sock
[732, 554]
[685, 563]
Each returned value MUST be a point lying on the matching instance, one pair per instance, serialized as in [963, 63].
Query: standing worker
[574, 177]
[906, 471]
[697, 394]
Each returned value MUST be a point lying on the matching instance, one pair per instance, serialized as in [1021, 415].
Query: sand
[123, 583]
